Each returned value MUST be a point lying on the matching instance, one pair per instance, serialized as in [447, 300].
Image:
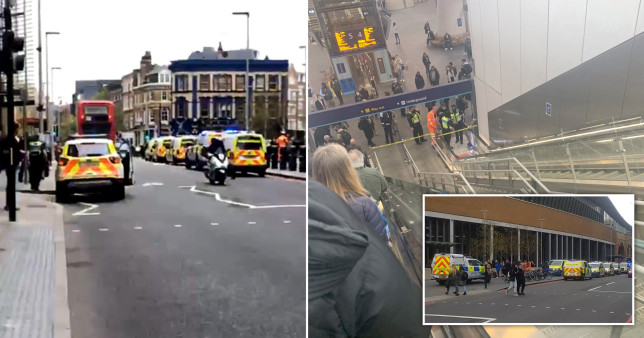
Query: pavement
[606, 300]
[182, 258]
[33, 282]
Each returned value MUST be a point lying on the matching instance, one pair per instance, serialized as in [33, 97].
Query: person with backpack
[327, 94]
[512, 277]
[466, 70]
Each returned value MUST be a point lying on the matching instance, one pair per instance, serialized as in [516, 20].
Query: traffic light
[10, 46]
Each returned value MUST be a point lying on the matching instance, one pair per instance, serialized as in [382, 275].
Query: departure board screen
[355, 39]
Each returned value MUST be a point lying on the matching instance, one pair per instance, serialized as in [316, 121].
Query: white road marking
[487, 320]
[252, 223]
[137, 228]
[85, 212]
[158, 164]
[563, 308]
[75, 230]
[214, 223]
[193, 188]
[519, 305]
[151, 184]
[578, 309]
[287, 222]
[177, 225]
[103, 229]
[610, 283]
[547, 307]
[533, 306]
[612, 312]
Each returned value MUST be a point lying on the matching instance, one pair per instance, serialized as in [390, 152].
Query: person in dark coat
[520, 275]
[319, 103]
[318, 135]
[426, 62]
[413, 117]
[366, 128]
[335, 85]
[386, 119]
[357, 287]
[434, 76]
[420, 82]
[364, 93]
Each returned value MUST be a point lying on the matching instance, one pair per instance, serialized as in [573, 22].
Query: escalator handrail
[513, 159]
[504, 170]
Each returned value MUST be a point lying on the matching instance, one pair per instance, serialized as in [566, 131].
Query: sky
[625, 205]
[106, 39]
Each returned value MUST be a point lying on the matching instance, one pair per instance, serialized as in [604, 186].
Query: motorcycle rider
[216, 145]
[38, 164]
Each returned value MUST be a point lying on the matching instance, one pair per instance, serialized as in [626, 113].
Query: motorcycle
[216, 171]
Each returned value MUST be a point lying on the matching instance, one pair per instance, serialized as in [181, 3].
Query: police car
[89, 164]
[577, 270]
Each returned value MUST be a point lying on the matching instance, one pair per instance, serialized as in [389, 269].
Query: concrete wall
[519, 45]
[513, 211]
[448, 13]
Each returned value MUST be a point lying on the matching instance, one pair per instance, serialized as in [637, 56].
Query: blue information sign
[548, 109]
[459, 21]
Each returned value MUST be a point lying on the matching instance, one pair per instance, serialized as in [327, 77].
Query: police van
[441, 266]
[577, 270]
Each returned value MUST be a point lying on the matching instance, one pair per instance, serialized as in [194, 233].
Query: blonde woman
[332, 167]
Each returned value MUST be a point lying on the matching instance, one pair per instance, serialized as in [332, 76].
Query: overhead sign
[548, 109]
[355, 39]
[348, 112]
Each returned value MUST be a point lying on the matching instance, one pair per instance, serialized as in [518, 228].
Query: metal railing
[510, 165]
[440, 180]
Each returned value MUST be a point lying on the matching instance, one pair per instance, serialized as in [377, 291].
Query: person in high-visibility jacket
[446, 127]
[282, 142]
[413, 117]
[432, 123]
[456, 118]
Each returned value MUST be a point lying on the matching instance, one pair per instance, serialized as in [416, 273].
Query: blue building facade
[210, 84]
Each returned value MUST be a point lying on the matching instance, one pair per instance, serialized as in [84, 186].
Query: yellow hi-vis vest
[456, 116]
[445, 122]
[415, 117]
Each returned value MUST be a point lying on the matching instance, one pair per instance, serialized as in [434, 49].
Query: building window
[164, 96]
[224, 82]
[182, 83]
[181, 108]
[152, 96]
[150, 116]
[273, 82]
[259, 82]
[204, 110]
[239, 82]
[204, 82]
[164, 115]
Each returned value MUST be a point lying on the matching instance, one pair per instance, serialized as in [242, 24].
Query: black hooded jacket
[357, 287]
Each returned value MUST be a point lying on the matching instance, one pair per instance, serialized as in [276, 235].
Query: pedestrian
[358, 97]
[396, 87]
[498, 269]
[453, 279]
[319, 103]
[446, 128]
[432, 123]
[434, 76]
[489, 270]
[396, 34]
[456, 117]
[466, 70]
[364, 93]
[354, 146]
[427, 28]
[420, 82]
[468, 48]
[413, 117]
[430, 37]
[332, 167]
[386, 119]
[319, 133]
[464, 276]
[400, 67]
[512, 277]
[370, 178]
[327, 94]
[506, 267]
[365, 126]
[343, 135]
[426, 62]
[520, 281]
[337, 89]
[447, 39]
[451, 72]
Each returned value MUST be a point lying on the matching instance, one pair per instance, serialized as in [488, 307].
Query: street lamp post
[57, 113]
[297, 103]
[248, 103]
[49, 118]
[540, 243]
[484, 211]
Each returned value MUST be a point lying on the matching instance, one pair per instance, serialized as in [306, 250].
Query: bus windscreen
[95, 128]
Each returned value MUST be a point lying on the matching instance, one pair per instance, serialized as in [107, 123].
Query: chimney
[146, 65]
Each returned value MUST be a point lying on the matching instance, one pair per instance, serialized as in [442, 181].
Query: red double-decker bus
[96, 117]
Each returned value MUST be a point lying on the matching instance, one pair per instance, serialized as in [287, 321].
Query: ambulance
[441, 266]
[577, 270]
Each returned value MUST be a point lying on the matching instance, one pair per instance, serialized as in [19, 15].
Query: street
[182, 258]
[600, 300]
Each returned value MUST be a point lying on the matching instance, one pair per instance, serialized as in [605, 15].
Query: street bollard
[302, 156]
[273, 156]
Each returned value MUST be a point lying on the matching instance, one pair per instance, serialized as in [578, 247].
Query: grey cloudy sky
[106, 39]
[625, 205]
